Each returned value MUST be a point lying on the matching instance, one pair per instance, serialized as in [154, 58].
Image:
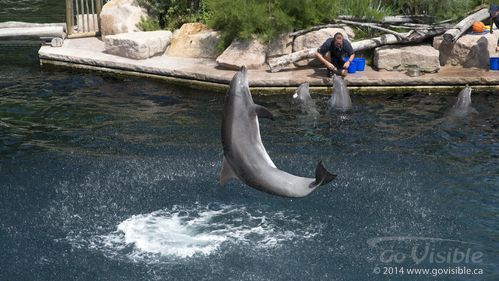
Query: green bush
[365, 8]
[244, 18]
[148, 24]
[442, 9]
[268, 18]
[171, 14]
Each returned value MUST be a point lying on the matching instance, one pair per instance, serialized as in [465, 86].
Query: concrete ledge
[223, 87]
[88, 53]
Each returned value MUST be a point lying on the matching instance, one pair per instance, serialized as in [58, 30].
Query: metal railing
[82, 17]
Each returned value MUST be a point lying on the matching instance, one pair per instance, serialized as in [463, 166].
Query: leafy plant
[148, 24]
[171, 14]
[269, 18]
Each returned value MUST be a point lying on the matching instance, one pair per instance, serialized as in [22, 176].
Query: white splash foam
[184, 233]
[170, 234]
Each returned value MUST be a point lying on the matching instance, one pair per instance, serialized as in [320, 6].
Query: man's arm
[492, 21]
[491, 25]
[321, 58]
[349, 48]
[350, 59]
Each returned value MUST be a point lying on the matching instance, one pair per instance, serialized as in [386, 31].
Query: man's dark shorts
[338, 63]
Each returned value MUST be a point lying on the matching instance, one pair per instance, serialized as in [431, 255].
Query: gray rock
[280, 46]
[250, 53]
[349, 31]
[315, 39]
[120, 16]
[138, 45]
[394, 57]
[194, 40]
[468, 51]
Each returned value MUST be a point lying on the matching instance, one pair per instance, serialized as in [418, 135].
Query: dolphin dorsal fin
[227, 173]
[263, 112]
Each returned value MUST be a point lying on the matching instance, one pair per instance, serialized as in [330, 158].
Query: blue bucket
[353, 67]
[494, 63]
[361, 63]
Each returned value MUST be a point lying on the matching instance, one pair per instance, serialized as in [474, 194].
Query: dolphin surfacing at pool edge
[245, 156]
[463, 107]
[340, 98]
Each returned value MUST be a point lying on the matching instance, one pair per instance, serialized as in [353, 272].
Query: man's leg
[339, 67]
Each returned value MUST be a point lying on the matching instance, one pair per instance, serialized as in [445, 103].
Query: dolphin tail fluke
[227, 173]
[322, 176]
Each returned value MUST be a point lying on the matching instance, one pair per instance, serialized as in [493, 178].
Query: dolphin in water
[340, 99]
[463, 107]
[302, 98]
[245, 156]
[302, 95]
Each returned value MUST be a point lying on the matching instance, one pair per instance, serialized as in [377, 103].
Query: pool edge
[269, 90]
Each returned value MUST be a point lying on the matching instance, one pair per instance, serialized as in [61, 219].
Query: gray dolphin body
[302, 98]
[463, 107]
[340, 98]
[245, 156]
[302, 95]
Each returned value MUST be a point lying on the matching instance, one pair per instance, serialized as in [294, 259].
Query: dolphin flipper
[227, 173]
[322, 176]
[263, 112]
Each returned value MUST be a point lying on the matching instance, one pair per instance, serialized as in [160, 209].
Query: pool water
[105, 178]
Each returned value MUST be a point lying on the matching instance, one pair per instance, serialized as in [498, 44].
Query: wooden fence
[82, 17]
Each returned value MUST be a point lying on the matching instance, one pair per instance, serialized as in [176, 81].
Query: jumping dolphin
[340, 99]
[245, 156]
[463, 107]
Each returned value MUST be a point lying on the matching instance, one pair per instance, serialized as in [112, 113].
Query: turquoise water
[106, 178]
[38, 11]
[116, 179]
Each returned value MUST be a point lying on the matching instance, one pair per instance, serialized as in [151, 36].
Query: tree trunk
[314, 28]
[459, 29]
[392, 19]
[19, 24]
[279, 63]
[32, 32]
[373, 26]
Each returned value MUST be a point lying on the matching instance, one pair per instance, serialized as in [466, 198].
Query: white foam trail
[184, 233]
[171, 234]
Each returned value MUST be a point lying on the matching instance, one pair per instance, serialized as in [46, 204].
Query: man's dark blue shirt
[337, 54]
[345, 50]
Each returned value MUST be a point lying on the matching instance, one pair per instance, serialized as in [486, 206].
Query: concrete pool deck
[88, 53]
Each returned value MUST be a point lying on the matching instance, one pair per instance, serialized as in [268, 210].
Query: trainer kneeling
[332, 52]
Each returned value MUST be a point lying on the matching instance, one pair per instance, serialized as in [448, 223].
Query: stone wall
[469, 50]
[400, 58]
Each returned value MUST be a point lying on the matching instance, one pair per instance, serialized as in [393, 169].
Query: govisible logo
[432, 250]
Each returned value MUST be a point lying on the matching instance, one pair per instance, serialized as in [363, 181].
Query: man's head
[338, 40]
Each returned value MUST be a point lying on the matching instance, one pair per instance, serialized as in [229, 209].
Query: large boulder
[279, 46]
[393, 57]
[315, 39]
[194, 40]
[250, 53]
[120, 16]
[138, 45]
[468, 51]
